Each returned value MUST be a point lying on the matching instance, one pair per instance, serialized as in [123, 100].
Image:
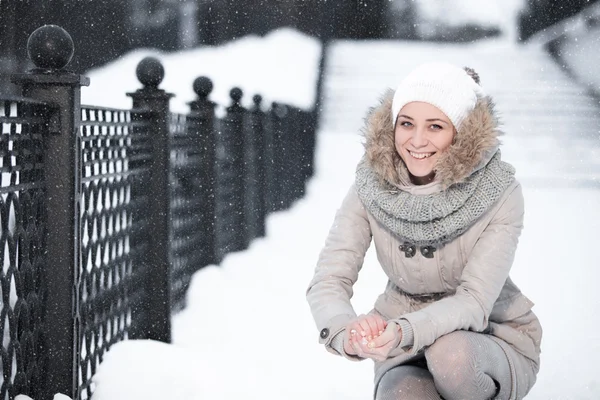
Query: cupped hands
[371, 336]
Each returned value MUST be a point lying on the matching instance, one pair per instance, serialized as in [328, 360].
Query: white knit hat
[442, 85]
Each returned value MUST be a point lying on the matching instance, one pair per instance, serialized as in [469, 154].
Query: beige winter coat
[465, 286]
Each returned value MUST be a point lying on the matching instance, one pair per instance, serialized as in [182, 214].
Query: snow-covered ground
[501, 14]
[247, 331]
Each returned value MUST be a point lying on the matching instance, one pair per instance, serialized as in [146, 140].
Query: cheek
[399, 139]
[444, 141]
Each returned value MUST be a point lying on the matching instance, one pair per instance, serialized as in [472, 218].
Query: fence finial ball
[50, 47]
[150, 72]
[236, 94]
[203, 86]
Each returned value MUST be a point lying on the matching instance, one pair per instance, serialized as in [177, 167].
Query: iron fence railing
[106, 214]
[112, 205]
[22, 226]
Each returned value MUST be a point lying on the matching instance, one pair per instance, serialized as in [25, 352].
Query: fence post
[232, 232]
[157, 296]
[258, 179]
[279, 151]
[203, 111]
[294, 170]
[51, 49]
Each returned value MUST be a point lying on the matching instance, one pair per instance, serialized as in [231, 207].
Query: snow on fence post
[202, 112]
[51, 48]
[157, 321]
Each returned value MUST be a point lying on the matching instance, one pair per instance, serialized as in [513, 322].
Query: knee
[449, 352]
[451, 360]
[406, 382]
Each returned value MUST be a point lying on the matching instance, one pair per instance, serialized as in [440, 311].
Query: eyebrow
[428, 120]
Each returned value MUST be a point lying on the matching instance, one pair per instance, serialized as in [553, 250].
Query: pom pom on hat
[445, 86]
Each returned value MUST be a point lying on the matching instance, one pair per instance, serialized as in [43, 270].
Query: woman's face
[422, 133]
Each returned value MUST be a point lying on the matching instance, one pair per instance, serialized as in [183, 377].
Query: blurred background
[108, 29]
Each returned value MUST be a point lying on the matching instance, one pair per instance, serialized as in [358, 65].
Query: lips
[420, 156]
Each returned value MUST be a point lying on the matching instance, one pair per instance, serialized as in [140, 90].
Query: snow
[247, 63]
[578, 46]
[490, 13]
[247, 331]
[460, 12]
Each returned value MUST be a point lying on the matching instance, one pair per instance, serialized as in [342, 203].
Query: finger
[348, 341]
[365, 328]
[348, 348]
[386, 337]
[373, 328]
[353, 327]
[381, 324]
[380, 342]
[363, 343]
[360, 340]
[357, 347]
[352, 330]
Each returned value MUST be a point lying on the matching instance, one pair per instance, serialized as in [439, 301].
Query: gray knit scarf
[434, 219]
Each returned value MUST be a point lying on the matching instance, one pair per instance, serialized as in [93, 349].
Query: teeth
[420, 155]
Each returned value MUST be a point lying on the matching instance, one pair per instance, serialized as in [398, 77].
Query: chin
[420, 172]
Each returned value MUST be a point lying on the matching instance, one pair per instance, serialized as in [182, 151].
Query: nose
[419, 138]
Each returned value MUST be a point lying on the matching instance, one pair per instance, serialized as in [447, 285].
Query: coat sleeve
[482, 280]
[338, 265]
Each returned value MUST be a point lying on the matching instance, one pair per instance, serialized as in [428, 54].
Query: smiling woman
[445, 214]
[422, 132]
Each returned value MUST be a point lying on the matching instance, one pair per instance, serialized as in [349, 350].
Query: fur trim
[475, 142]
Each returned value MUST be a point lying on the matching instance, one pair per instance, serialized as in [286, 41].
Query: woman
[445, 214]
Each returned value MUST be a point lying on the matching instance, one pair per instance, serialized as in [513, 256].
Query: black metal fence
[106, 214]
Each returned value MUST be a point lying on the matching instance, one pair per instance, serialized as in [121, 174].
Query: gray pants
[460, 365]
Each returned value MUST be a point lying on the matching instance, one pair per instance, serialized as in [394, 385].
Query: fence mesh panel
[189, 242]
[22, 224]
[115, 157]
[220, 174]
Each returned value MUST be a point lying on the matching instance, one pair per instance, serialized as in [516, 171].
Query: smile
[420, 156]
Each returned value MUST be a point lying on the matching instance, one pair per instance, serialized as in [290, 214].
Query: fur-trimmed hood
[474, 145]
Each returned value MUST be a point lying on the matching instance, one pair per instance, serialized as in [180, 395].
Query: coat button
[408, 249]
[324, 333]
[428, 251]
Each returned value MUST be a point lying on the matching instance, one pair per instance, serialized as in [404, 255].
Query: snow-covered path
[247, 332]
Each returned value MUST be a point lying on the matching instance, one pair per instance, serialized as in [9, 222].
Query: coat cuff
[337, 344]
[334, 326]
[408, 336]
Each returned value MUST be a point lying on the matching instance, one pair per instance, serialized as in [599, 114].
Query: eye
[405, 124]
[436, 127]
